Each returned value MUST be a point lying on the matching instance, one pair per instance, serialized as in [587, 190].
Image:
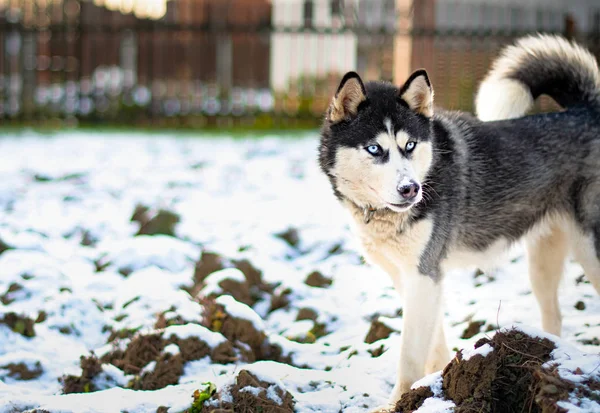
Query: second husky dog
[431, 190]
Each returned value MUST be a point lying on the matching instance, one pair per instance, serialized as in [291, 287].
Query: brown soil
[209, 262]
[252, 344]
[509, 379]
[290, 236]
[4, 246]
[377, 331]
[90, 367]
[316, 279]
[141, 350]
[162, 222]
[504, 381]
[144, 349]
[307, 314]
[20, 371]
[414, 399]
[248, 292]
[19, 324]
[7, 298]
[247, 402]
[472, 329]
[167, 371]
[280, 299]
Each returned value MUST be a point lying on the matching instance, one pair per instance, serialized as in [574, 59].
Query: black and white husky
[430, 190]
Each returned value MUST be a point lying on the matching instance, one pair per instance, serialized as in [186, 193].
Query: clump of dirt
[167, 371]
[161, 222]
[4, 246]
[252, 343]
[248, 292]
[316, 279]
[307, 314]
[413, 399]
[88, 239]
[19, 324]
[90, 368]
[504, 380]
[280, 298]
[472, 329]
[20, 371]
[8, 297]
[250, 395]
[139, 352]
[208, 263]
[146, 357]
[378, 331]
[509, 378]
[290, 236]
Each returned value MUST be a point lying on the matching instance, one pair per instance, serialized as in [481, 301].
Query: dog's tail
[536, 65]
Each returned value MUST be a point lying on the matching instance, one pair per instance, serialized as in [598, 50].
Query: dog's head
[375, 141]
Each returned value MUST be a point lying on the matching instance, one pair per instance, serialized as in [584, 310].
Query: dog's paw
[383, 409]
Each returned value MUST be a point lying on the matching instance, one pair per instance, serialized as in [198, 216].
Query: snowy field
[78, 279]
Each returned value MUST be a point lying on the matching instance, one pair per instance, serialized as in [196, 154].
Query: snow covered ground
[233, 198]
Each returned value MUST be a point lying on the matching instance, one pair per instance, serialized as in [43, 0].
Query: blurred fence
[249, 63]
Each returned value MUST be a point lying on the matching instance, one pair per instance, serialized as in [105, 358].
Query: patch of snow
[172, 349]
[272, 394]
[436, 405]
[252, 390]
[241, 311]
[483, 350]
[186, 331]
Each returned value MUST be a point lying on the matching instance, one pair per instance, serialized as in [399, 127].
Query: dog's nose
[410, 191]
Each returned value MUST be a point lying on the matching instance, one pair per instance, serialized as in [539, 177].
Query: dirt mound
[249, 394]
[90, 368]
[378, 331]
[19, 324]
[9, 297]
[504, 380]
[248, 291]
[316, 279]
[156, 360]
[505, 374]
[21, 371]
[290, 236]
[161, 222]
[413, 399]
[141, 350]
[472, 329]
[4, 246]
[252, 343]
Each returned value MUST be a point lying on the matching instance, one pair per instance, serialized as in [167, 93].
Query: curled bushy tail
[536, 65]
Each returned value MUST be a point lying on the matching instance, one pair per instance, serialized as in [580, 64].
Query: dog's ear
[418, 93]
[349, 95]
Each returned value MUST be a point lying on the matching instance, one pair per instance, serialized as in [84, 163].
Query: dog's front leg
[422, 313]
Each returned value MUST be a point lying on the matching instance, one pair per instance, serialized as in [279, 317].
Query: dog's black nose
[410, 191]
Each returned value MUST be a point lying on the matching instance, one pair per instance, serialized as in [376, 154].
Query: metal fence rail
[252, 63]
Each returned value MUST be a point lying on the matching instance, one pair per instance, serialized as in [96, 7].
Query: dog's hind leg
[547, 253]
[586, 250]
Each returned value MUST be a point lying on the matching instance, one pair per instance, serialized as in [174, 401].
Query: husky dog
[431, 190]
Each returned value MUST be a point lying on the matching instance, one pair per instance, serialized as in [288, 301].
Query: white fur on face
[368, 183]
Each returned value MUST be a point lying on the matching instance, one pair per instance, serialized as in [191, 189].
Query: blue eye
[410, 146]
[374, 150]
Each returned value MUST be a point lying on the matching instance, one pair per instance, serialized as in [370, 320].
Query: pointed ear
[418, 93]
[349, 95]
